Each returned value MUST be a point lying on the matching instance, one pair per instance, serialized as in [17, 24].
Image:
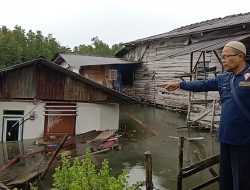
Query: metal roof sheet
[84, 60]
[217, 23]
[207, 45]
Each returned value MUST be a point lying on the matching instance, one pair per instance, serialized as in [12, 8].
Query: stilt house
[187, 53]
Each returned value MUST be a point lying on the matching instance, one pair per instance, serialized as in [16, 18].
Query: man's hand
[170, 86]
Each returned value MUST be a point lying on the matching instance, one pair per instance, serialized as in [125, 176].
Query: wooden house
[187, 53]
[114, 73]
[41, 99]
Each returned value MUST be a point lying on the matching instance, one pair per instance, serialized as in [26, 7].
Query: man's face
[230, 60]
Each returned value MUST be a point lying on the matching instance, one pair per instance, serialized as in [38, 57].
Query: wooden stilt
[180, 163]
[148, 164]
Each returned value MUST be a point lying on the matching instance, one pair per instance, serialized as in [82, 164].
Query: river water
[147, 129]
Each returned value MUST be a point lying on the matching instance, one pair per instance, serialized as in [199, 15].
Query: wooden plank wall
[19, 83]
[98, 73]
[157, 68]
[44, 83]
[50, 84]
[54, 85]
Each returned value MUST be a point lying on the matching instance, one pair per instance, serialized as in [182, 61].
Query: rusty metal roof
[205, 26]
[84, 60]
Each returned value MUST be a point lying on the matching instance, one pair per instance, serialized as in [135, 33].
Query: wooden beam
[54, 156]
[201, 101]
[202, 114]
[200, 166]
[212, 119]
[219, 59]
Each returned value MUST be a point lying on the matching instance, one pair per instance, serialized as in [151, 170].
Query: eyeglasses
[224, 57]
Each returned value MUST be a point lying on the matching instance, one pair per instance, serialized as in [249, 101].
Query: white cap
[237, 45]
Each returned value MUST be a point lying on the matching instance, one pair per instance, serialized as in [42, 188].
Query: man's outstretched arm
[170, 86]
[195, 86]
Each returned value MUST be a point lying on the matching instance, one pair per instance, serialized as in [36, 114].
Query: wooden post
[219, 59]
[190, 94]
[180, 163]
[189, 110]
[212, 119]
[205, 72]
[148, 164]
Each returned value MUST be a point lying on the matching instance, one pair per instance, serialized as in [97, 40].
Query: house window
[12, 125]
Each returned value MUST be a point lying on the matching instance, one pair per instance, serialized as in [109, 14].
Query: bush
[82, 175]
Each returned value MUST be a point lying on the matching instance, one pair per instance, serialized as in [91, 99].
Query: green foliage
[16, 46]
[83, 175]
[98, 48]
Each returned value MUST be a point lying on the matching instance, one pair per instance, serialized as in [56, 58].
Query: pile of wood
[98, 141]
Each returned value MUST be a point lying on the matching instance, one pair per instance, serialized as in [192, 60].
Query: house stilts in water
[188, 53]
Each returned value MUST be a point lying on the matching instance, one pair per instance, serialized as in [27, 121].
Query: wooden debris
[143, 124]
[101, 138]
[9, 163]
[188, 139]
[3, 187]
[26, 178]
[54, 156]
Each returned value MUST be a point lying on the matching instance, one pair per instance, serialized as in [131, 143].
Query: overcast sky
[75, 22]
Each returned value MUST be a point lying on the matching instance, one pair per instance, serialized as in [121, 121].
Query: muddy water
[163, 146]
[147, 129]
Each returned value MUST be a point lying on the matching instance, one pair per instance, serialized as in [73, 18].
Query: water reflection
[9, 151]
[139, 139]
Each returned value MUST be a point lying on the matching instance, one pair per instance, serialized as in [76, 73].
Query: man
[234, 130]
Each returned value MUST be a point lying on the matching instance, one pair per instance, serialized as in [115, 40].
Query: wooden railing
[195, 168]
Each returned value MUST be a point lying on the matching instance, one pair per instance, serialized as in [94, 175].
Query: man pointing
[234, 130]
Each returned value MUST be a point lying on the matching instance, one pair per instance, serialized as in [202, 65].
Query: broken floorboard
[143, 124]
[101, 138]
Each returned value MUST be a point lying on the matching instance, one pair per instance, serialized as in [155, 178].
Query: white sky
[75, 22]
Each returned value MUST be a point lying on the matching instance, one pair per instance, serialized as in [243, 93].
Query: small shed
[115, 73]
[41, 99]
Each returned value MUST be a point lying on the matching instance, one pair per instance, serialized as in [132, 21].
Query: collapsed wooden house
[111, 72]
[41, 99]
[187, 53]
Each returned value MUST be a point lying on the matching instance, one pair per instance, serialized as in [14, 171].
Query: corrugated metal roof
[207, 45]
[80, 77]
[84, 60]
[217, 23]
